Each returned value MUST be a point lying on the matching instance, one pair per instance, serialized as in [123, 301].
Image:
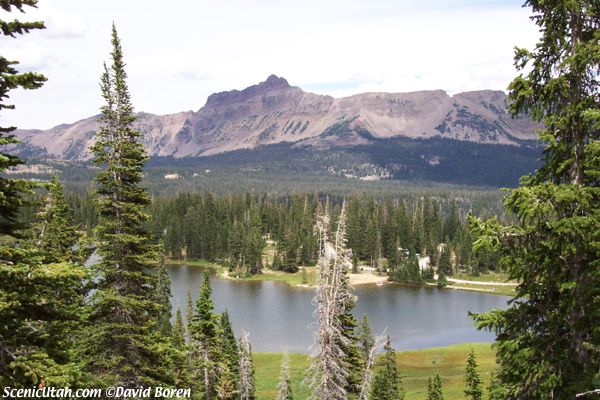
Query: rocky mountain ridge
[274, 112]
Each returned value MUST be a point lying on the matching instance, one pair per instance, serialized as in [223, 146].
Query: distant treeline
[234, 229]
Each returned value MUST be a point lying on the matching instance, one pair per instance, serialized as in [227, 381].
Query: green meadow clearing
[415, 365]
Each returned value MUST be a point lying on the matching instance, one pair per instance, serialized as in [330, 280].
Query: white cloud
[62, 25]
[191, 73]
[31, 57]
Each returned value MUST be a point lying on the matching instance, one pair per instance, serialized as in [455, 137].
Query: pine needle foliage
[124, 345]
[548, 340]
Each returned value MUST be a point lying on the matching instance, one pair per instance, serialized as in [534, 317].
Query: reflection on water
[279, 317]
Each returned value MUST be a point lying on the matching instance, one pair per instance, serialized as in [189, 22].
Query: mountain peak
[273, 82]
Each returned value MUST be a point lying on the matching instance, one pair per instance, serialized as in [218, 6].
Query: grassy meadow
[415, 365]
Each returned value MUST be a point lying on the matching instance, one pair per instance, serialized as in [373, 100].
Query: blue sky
[179, 52]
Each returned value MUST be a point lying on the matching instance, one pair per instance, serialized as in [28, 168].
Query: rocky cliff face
[274, 112]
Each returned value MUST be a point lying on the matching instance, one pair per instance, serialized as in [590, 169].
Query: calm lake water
[279, 317]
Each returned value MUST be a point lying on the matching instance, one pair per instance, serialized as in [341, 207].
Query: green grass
[415, 366]
[503, 290]
[267, 365]
[196, 263]
[487, 277]
[449, 362]
[292, 279]
[497, 277]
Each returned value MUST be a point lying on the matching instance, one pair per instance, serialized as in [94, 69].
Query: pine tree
[226, 388]
[246, 383]
[180, 365]
[179, 332]
[163, 298]
[122, 344]
[441, 280]
[353, 362]
[434, 388]
[386, 382]
[229, 347]
[284, 388]
[473, 389]
[445, 264]
[189, 308]
[548, 339]
[40, 315]
[365, 337]
[55, 236]
[204, 330]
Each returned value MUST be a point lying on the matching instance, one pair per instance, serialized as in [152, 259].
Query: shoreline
[296, 280]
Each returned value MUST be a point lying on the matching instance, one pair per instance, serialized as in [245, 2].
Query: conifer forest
[121, 279]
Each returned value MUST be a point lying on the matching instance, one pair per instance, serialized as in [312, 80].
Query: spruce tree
[473, 390]
[40, 315]
[226, 388]
[386, 382]
[163, 298]
[284, 388]
[189, 308]
[365, 337]
[434, 388]
[353, 362]
[180, 365]
[179, 332]
[204, 331]
[548, 339]
[121, 346]
[54, 233]
[229, 347]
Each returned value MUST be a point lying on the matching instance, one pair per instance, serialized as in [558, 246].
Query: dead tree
[284, 389]
[246, 382]
[327, 372]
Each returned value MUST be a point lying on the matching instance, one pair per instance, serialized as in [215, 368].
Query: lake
[279, 317]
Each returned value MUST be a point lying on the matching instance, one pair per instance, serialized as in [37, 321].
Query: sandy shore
[366, 277]
[481, 282]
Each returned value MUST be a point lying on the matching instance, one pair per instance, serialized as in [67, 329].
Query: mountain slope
[274, 112]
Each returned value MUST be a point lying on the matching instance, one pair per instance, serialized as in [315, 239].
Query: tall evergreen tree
[548, 339]
[163, 298]
[434, 388]
[284, 388]
[365, 337]
[54, 233]
[189, 308]
[226, 388]
[121, 345]
[353, 362]
[386, 382]
[204, 330]
[229, 347]
[473, 390]
[179, 332]
[180, 360]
